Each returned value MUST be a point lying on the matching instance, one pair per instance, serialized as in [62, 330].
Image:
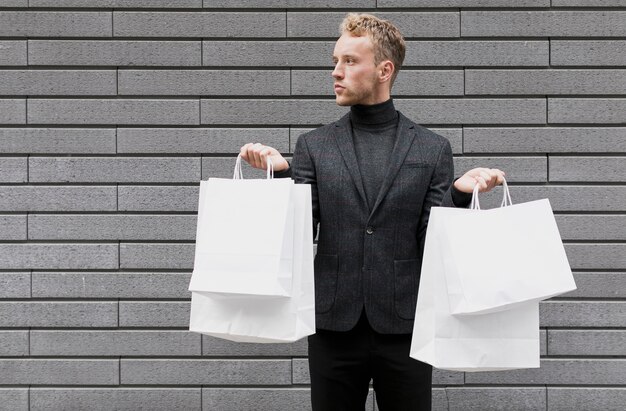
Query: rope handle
[238, 172]
[506, 197]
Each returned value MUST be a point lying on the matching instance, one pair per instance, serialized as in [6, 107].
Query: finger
[256, 154]
[244, 151]
[482, 184]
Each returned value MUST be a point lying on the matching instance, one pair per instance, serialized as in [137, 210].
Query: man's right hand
[256, 155]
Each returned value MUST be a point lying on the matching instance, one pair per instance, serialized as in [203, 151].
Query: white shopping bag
[494, 341]
[244, 236]
[500, 258]
[246, 318]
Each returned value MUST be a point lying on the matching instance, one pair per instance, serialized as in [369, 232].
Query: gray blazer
[371, 258]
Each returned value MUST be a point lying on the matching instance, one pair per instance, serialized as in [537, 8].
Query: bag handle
[506, 196]
[238, 173]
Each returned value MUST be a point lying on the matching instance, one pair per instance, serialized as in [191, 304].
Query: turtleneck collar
[375, 114]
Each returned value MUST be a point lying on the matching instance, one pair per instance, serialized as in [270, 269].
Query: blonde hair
[387, 39]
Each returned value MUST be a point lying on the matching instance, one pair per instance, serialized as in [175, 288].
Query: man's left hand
[486, 178]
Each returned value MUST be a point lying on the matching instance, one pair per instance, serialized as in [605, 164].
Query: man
[374, 176]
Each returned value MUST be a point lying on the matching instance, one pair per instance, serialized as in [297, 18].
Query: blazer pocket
[407, 275]
[415, 165]
[325, 268]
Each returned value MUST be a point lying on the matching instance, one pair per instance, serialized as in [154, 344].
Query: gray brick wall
[112, 110]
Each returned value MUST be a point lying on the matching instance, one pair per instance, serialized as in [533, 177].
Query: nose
[337, 72]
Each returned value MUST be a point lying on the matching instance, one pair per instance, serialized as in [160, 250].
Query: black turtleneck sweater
[374, 130]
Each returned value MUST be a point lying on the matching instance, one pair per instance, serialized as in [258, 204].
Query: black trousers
[342, 364]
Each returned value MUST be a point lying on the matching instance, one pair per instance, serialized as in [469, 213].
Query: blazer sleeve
[438, 189]
[302, 171]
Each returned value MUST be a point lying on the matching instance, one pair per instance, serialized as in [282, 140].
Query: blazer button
[370, 230]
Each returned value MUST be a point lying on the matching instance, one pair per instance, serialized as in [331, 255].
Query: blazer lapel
[404, 139]
[343, 136]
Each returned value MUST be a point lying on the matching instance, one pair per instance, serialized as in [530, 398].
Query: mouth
[338, 87]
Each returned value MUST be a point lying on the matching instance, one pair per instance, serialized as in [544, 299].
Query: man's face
[355, 73]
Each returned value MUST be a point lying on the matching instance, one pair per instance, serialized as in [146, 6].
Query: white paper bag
[246, 318]
[496, 341]
[244, 237]
[500, 258]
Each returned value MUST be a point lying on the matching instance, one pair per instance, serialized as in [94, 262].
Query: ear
[386, 71]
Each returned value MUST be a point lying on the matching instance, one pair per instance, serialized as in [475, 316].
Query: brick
[237, 399]
[589, 110]
[111, 227]
[474, 111]
[543, 23]
[594, 314]
[587, 52]
[206, 372]
[13, 52]
[55, 24]
[477, 53]
[14, 399]
[553, 371]
[118, 3]
[290, 3]
[13, 3]
[58, 198]
[596, 256]
[564, 198]
[13, 344]
[59, 372]
[223, 168]
[12, 111]
[58, 82]
[154, 314]
[599, 285]
[600, 169]
[587, 3]
[199, 24]
[197, 140]
[419, 53]
[586, 399]
[454, 135]
[13, 170]
[425, 111]
[110, 285]
[114, 343]
[114, 53]
[112, 111]
[12, 227]
[114, 169]
[495, 398]
[270, 112]
[517, 169]
[410, 24]
[440, 377]
[543, 342]
[408, 83]
[57, 140]
[157, 198]
[542, 82]
[158, 256]
[587, 342]
[217, 347]
[462, 3]
[101, 399]
[58, 314]
[592, 227]
[544, 140]
[58, 256]
[14, 285]
[204, 82]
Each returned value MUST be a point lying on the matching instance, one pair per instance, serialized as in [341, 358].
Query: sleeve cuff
[283, 173]
[459, 198]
